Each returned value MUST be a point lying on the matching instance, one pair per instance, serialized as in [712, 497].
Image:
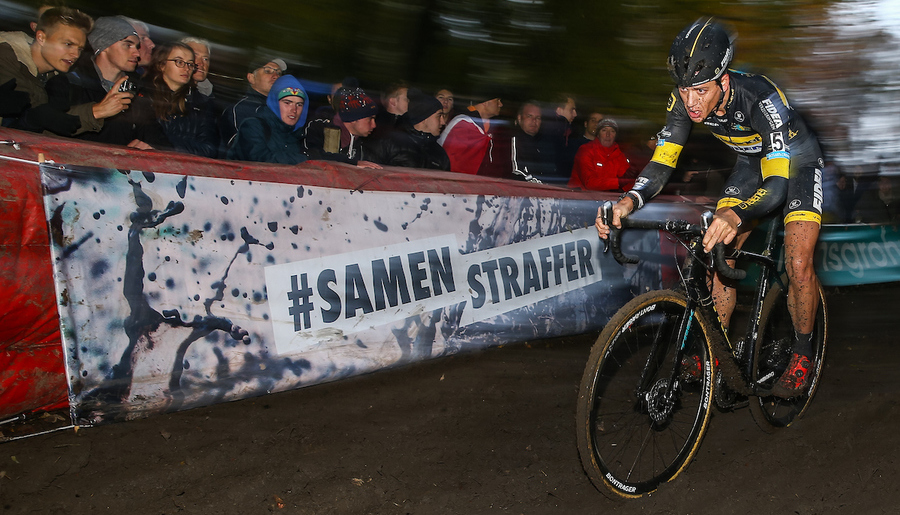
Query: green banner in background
[858, 254]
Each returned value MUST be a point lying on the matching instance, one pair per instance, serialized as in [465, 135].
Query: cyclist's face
[701, 100]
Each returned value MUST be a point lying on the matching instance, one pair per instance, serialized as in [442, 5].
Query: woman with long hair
[188, 121]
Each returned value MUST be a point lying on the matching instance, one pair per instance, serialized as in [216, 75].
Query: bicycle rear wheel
[641, 415]
[773, 351]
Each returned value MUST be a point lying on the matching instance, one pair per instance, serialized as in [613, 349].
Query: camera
[127, 86]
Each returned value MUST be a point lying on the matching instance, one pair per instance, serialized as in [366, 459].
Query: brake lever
[606, 218]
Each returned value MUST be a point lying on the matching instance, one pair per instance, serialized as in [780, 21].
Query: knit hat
[352, 103]
[259, 62]
[109, 30]
[608, 122]
[421, 106]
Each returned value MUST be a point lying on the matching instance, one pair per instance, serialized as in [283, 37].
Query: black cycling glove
[12, 102]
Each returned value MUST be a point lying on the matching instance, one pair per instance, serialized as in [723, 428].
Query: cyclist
[779, 163]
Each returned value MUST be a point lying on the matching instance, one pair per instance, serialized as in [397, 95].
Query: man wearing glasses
[260, 77]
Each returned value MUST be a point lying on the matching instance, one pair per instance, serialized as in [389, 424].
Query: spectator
[43, 7]
[468, 140]
[531, 156]
[558, 130]
[145, 48]
[101, 79]
[201, 59]
[261, 76]
[31, 74]
[341, 138]
[600, 165]
[394, 104]
[201, 94]
[445, 96]
[274, 134]
[590, 130]
[414, 144]
[189, 127]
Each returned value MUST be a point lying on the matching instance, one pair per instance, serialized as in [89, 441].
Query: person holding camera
[107, 81]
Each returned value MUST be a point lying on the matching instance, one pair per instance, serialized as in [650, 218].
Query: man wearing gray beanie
[107, 80]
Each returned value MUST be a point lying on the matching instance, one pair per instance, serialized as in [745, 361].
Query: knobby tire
[624, 450]
[773, 351]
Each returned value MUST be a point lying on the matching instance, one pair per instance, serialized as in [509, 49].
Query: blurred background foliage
[609, 55]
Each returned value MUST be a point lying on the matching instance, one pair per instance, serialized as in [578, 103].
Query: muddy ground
[481, 433]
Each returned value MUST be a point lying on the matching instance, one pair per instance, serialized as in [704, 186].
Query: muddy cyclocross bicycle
[663, 361]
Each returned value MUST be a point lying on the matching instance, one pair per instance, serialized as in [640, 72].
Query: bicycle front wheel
[771, 356]
[641, 411]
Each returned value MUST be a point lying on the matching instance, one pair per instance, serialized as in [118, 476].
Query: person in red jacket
[468, 139]
[600, 164]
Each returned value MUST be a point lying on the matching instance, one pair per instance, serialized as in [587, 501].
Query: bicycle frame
[735, 364]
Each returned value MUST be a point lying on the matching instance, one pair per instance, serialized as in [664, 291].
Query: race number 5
[777, 140]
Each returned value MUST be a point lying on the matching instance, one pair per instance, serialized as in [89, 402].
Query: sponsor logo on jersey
[771, 112]
[750, 144]
[739, 116]
[794, 204]
[671, 103]
[739, 127]
[732, 191]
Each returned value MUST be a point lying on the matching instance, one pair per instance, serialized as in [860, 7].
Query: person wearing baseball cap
[274, 135]
[601, 165]
[261, 75]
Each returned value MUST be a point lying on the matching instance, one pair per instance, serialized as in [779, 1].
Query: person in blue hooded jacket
[275, 134]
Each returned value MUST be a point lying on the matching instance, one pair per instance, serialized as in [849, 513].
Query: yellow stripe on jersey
[726, 202]
[744, 144]
[776, 167]
[803, 216]
[667, 154]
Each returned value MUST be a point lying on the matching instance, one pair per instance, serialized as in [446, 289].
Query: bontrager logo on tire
[620, 485]
[637, 315]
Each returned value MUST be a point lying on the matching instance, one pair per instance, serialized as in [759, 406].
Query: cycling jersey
[779, 157]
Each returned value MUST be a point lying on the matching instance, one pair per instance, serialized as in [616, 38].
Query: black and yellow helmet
[701, 53]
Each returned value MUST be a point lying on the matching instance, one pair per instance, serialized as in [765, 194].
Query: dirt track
[489, 432]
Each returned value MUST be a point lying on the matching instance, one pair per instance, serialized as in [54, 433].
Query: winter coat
[230, 121]
[265, 137]
[16, 63]
[601, 168]
[531, 157]
[136, 122]
[411, 148]
[195, 131]
[467, 143]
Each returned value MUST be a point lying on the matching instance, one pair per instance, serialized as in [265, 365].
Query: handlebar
[676, 227]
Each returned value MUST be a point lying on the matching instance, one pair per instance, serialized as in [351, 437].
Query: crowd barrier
[143, 282]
